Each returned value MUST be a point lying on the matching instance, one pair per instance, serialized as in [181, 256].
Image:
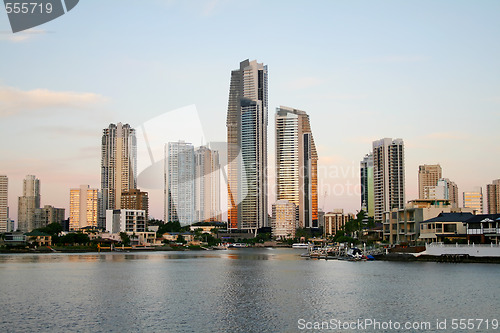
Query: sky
[424, 71]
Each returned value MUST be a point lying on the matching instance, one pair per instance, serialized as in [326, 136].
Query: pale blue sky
[425, 71]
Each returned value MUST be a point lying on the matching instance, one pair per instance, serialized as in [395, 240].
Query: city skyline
[421, 72]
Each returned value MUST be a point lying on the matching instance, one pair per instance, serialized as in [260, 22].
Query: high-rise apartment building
[247, 147]
[428, 175]
[445, 189]
[367, 189]
[125, 220]
[28, 203]
[493, 194]
[83, 207]
[388, 176]
[284, 221]
[4, 203]
[118, 166]
[207, 185]
[136, 199]
[474, 199]
[48, 215]
[179, 183]
[335, 221]
[297, 164]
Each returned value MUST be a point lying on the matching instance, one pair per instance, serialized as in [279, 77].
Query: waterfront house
[38, 238]
[483, 229]
[449, 226]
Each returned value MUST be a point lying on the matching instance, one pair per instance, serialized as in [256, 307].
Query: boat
[237, 245]
[300, 245]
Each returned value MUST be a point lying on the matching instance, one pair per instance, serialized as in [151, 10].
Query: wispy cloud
[303, 83]
[15, 101]
[21, 36]
[396, 59]
[445, 136]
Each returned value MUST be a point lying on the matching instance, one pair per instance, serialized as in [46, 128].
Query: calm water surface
[241, 290]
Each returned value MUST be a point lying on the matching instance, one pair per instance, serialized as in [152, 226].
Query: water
[241, 290]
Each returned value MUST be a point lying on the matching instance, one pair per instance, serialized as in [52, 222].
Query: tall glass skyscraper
[297, 164]
[179, 183]
[118, 166]
[388, 175]
[207, 184]
[367, 194]
[247, 146]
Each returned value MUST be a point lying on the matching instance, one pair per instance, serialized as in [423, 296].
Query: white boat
[300, 245]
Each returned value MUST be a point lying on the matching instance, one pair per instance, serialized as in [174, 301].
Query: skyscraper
[28, 203]
[493, 194]
[83, 207]
[367, 194]
[135, 199]
[207, 185]
[445, 189]
[474, 199]
[247, 147]
[388, 175]
[297, 164]
[118, 166]
[4, 190]
[179, 183]
[428, 175]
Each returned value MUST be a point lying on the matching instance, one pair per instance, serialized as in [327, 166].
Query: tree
[125, 238]
[181, 239]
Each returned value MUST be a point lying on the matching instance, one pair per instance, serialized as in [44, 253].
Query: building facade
[207, 185]
[28, 203]
[403, 225]
[428, 175]
[247, 147]
[284, 221]
[83, 207]
[179, 183]
[136, 199]
[4, 204]
[125, 220]
[48, 215]
[493, 196]
[297, 164]
[367, 189]
[474, 200]
[118, 166]
[388, 176]
[335, 221]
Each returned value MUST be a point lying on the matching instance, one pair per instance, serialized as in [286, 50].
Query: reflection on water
[239, 290]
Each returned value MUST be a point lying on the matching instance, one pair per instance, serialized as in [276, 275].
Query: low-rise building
[207, 227]
[449, 226]
[483, 229]
[38, 238]
[14, 238]
[403, 225]
[174, 236]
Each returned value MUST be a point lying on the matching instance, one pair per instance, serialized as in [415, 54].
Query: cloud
[21, 36]
[397, 59]
[445, 136]
[303, 83]
[16, 101]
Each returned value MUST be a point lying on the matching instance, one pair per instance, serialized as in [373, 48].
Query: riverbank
[451, 258]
